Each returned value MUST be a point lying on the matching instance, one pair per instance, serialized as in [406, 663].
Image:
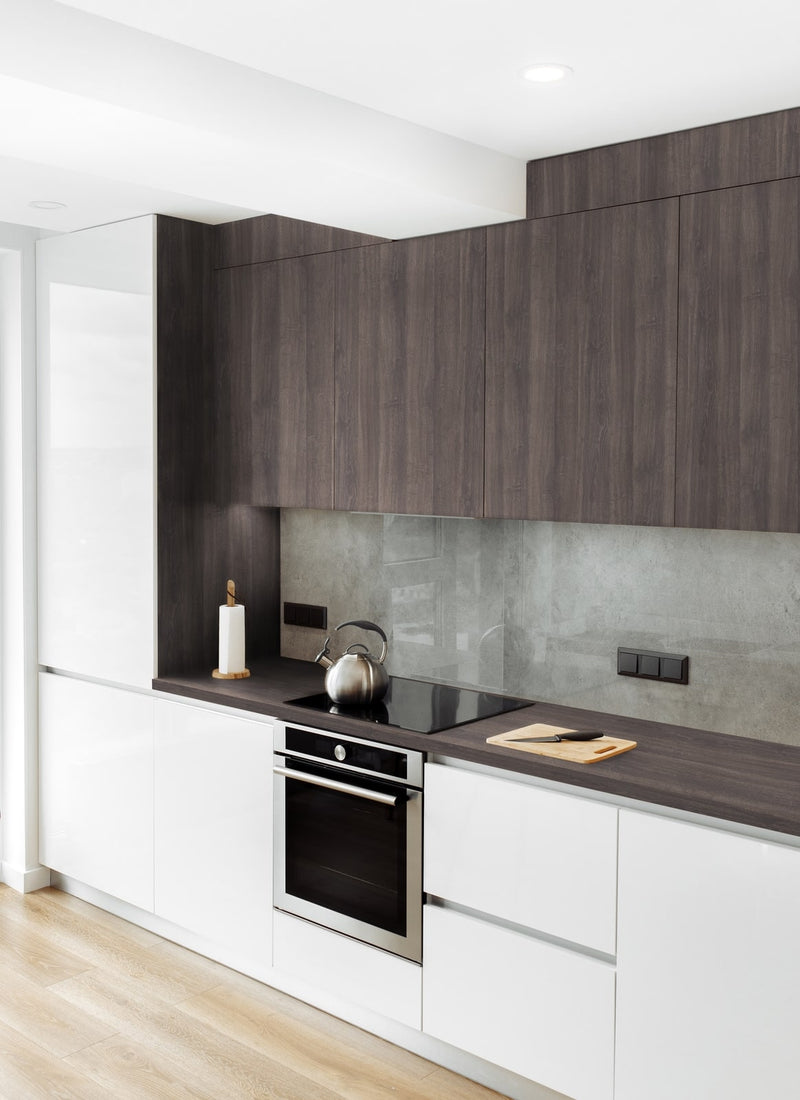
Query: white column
[19, 804]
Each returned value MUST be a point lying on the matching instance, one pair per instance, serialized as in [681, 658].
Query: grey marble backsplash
[538, 610]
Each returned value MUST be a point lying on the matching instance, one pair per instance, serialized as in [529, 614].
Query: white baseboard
[24, 882]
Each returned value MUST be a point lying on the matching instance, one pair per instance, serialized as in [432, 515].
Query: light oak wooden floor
[92, 1007]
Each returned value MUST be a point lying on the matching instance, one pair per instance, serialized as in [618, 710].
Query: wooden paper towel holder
[231, 601]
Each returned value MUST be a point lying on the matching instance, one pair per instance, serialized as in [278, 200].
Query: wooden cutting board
[579, 752]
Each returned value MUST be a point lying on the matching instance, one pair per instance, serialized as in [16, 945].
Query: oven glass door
[346, 860]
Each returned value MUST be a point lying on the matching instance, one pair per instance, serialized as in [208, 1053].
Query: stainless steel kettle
[357, 677]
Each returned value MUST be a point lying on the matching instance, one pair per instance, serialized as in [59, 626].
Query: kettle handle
[364, 625]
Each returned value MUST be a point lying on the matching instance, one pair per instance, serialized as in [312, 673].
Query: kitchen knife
[578, 735]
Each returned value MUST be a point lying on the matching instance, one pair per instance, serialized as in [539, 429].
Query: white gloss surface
[96, 786]
[708, 968]
[213, 826]
[543, 860]
[531, 1007]
[96, 367]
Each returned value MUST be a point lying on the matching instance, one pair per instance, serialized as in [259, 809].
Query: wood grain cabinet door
[581, 333]
[739, 359]
[275, 348]
[409, 376]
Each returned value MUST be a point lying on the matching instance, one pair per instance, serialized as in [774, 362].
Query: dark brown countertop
[736, 779]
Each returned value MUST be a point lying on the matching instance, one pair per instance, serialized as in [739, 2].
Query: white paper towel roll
[231, 638]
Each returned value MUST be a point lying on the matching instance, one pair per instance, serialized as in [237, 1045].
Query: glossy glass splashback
[438, 587]
[538, 609]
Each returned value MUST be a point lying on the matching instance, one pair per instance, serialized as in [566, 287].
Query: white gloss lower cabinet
[708, 964]
[535, 1008]
[213, 827]
[539, 858]
[96, 786]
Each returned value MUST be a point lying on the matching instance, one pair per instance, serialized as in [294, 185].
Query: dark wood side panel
[272, 237]
[275, 348]
[184, 459]
[739, 359]
[202, 538]
[185, 380]
[581, 330]
[727, 154]
[409, 376]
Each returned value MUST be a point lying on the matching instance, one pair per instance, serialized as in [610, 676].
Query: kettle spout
[322, 657]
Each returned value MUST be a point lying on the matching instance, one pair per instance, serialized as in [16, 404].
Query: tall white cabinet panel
[96, 786]
[541, 859]
[213, 827]
[95, 337]
[708, 964]
[537, 1009]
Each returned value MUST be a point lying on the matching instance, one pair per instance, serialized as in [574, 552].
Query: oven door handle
[335, 785]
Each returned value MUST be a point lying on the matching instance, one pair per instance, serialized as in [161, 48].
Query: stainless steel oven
[348, 836]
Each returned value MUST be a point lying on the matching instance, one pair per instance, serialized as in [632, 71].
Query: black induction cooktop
[419, 706]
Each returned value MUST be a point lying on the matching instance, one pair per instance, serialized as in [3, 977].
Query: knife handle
[581, 735]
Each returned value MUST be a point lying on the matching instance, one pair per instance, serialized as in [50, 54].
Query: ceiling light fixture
[547, 72]
[47, 204]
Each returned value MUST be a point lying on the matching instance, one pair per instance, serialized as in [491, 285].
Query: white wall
[19, 865]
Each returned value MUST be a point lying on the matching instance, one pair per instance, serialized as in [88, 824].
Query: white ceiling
[391, 119]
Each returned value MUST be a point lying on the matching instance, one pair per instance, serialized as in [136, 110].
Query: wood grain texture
[272, 237]
[186, 435]
[409, 376]
[727, 154]
[205, 535]
[581, 329]
[274, 340]
[739, 359]
[185, 385]
[177, 1026]
[733, 778]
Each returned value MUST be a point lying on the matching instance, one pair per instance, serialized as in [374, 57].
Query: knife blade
[578, 735]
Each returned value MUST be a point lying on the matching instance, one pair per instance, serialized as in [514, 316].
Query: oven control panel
[368, 757]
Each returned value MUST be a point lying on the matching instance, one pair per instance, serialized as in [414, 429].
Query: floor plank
[32, 953]
[34, 1012]
[204, 1056]
[92, 1007]
[29, 1071]
[127, 1070]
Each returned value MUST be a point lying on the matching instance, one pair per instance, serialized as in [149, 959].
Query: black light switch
[672, 668]
[649, 665]
[627, 662]
[675, 669]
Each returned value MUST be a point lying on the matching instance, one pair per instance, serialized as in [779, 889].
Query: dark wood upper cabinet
[275, 353]
[705, 158]
[581, 344]
[273, 237]
[410, 376]
[739, 359]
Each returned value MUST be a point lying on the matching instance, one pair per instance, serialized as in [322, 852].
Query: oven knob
[340, 752]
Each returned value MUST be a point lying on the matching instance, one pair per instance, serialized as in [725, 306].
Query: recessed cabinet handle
[335, 785]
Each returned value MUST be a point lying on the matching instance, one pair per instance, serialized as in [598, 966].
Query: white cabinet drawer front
[536, 1009]
[540, 859]
[213, 826]
[96, 786]
[709, 968]
[337, 966]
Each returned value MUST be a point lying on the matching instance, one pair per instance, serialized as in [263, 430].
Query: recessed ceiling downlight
[547, 72]
[47, 204]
